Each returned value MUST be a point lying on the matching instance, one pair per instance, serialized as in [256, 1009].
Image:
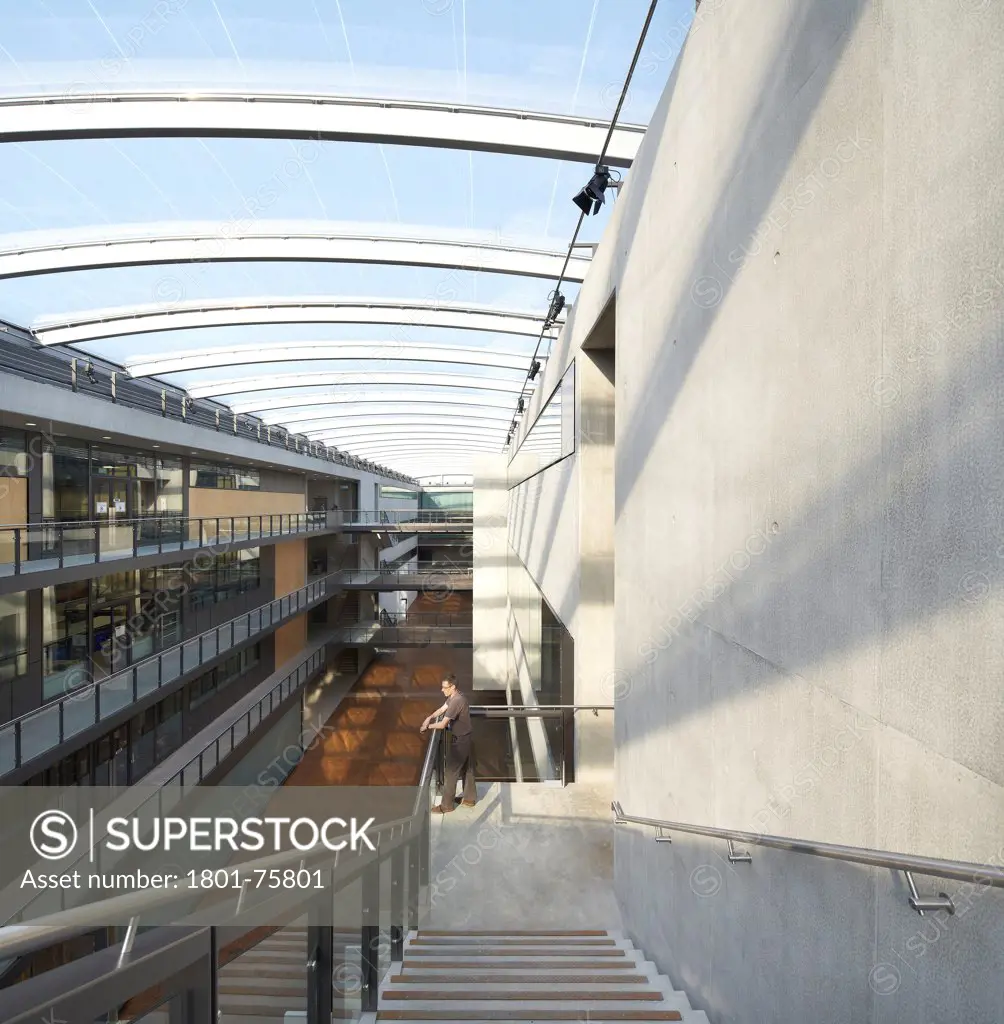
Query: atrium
[596, 403]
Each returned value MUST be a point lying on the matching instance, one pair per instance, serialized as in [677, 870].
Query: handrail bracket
[925, 903]
[738, 856]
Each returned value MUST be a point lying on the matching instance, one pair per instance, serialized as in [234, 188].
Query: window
[552, 436]
[234, 668]
[13, 452]
[13, 635]
[226, 478]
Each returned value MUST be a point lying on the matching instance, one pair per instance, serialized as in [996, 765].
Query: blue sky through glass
[559, 56]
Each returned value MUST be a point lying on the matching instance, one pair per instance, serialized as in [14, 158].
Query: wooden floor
[372, 739]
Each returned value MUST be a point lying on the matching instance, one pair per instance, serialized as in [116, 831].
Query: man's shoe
[470, 803]
[440, 809]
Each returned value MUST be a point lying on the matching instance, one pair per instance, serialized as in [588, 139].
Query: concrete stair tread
[425, 932]
[531, 1014]
[448, 980]
[500, 941]
[539, 963]
[513, 993]
[552, 951]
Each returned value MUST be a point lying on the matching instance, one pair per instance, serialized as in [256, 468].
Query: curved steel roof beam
[92, 325]
[136, 245]
[271, 409]
[297, 351]
[83, 113]
[446, 434]
[319, 417]
[415, 428]
[333, 423]
[385, 450]
[211, 389]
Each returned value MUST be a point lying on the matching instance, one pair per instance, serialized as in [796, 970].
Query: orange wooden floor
[372, 739]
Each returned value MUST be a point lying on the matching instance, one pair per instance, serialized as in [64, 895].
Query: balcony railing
[103, 982]
[37, 547]
[407, 517]
[405, 635]
[39, 731]
[409, 579]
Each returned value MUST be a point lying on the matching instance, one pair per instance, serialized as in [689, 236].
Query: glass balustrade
[46, 546]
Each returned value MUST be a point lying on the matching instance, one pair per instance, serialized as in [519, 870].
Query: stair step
[263, 970]
[511, 951]
[422, 932]
[506, 940]
[530, 1014]
[514, 993]
[539, 963]
[520, 978]
[264, 987]
[261, 1003]
[253, 1013]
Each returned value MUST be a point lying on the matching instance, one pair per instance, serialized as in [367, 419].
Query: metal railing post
[370, 937]
[414, 882]
[320, 972]
[397, 876]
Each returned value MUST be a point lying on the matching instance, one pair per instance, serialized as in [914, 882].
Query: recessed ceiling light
[155, 446]
[31, 424]
[106, 437]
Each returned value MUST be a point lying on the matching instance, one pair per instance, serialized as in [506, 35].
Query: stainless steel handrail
[16, 940]
[960, 871]
[542, 707]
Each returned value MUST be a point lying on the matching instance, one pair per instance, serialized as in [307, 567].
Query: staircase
[480, 976]
[269, 981]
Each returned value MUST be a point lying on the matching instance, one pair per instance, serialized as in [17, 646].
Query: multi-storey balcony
[53, 552]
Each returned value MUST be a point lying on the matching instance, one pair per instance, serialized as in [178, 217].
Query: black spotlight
[554, 310]
[520, 406]
[534, 369]
[591, 198]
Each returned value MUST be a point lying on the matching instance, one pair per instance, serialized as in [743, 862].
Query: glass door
[111, 512]
[111, 644]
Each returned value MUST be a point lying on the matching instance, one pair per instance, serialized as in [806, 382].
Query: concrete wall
[492, 650]
[809, 282]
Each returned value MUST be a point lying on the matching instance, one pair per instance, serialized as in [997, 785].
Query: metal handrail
[16, 940]
[542, 707]
[960, 871]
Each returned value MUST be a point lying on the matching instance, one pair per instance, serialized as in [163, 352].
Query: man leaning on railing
[455, 715]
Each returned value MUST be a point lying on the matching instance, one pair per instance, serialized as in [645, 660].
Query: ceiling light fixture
[31, 424]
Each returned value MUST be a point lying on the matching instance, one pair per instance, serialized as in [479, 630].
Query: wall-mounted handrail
[533, 709]
[961, 871]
